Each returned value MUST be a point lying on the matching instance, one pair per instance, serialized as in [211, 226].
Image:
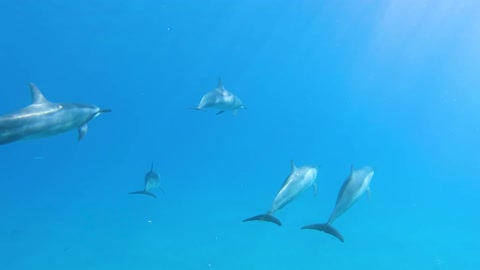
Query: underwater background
[388, 84]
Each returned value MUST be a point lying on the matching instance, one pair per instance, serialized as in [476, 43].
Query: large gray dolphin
[151, 181]
[220, 99]
[357, 183]
[299, 180]
[43, 118]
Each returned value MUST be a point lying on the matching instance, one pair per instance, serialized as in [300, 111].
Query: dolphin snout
[104, 111]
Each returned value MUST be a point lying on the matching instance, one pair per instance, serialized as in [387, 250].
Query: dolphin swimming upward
[152, 181]
[357, 183]
[299, 180]
[43, 118]
[220, 99]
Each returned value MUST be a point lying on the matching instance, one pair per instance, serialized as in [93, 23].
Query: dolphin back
[326, 228]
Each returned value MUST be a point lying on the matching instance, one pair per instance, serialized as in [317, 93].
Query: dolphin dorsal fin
[220, 84]
[292, 165]
[37, 96]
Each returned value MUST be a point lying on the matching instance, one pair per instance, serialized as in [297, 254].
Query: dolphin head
[81, 113]
[370, 172]
[151, 175]
[101, 111]
[152, 180]
[365, 175]
[239, 104]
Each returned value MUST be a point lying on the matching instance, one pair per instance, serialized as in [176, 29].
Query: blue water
[389, 84]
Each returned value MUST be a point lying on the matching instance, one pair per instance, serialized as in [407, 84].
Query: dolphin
[299, 180]
[43, 118]
[152, 181]
[356, 184]
[220, 99]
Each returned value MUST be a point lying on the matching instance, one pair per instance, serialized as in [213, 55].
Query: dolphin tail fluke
[265, 217]
[143, 192]
[326, 228]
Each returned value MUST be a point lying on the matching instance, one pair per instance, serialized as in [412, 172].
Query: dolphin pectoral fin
[369, 193]
[315, 190]
[265, 217]
[82, 131]
[220, 112]
[326, 228]
[144, 192]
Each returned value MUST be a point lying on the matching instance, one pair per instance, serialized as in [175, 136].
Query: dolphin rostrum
[299, 180]
[152, 181]
[357, 183]
[43, 118]
[220, 99]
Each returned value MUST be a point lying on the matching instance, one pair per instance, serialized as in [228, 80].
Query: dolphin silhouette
[220, 99]
[43, 118]
[357, 183]
[299, 180]
[151, 181]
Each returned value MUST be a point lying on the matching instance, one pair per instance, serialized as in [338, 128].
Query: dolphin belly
[296, 186]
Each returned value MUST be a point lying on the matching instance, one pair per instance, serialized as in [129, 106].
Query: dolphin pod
[43, 118]
[356, 184]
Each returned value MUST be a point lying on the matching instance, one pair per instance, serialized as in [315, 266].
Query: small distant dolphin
[357, 183]
[220, 99]
[299, 180]
[43, 118]
[152, 181]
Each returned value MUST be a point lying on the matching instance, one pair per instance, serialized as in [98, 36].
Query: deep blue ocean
[390, 84]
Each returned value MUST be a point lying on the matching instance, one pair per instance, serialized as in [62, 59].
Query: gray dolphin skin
[356, 184]
[43, 118]
[220, 99]
[151, 181]
[299, 180]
